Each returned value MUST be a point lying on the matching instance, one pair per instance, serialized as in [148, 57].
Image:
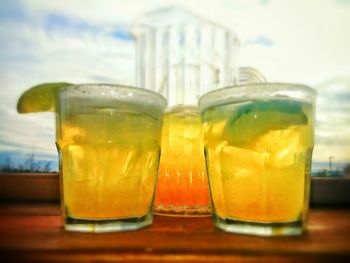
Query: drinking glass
[108, 139]
[258, 141]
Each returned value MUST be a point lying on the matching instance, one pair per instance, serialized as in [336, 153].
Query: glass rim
[140, 91]
[243, 92]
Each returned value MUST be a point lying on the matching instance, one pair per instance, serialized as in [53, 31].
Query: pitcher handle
[249, 75]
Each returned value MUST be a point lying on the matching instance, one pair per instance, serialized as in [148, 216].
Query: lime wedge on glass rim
[40, 98]
[258, 117]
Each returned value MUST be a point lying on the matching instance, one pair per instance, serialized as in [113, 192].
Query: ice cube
[130, 158]
[215, 130]
[281, 145]
[237, 162]
[72, 133]
[82, 162]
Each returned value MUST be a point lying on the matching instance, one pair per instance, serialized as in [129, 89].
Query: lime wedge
[256, 118]
[40, 98]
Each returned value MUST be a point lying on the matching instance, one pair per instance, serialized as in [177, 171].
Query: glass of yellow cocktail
[108, 139]
[258, 142]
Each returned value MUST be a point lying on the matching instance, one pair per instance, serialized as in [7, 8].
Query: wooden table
[33, 232]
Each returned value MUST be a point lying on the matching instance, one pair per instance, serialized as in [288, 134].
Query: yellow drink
[258, 159]
[182, 187]
[108, 139]
[108, 166]
[109, 155]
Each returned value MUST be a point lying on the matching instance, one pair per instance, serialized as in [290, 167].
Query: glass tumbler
[258, 141]
[108, 139]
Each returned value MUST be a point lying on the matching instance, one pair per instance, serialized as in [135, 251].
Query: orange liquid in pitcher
[182, 186]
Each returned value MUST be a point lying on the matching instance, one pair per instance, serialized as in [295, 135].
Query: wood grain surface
[33, 233]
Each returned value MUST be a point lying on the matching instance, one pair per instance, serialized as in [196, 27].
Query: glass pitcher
[182, 56]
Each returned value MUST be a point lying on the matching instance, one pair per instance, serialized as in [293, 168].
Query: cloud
[122, 34]
[329, 139]
[260, 40]
[64, 23]
[34, 132]
[264, 2]
[342, 2]
[47, 47]
[333, 119]
[56, 21]
[64, 46]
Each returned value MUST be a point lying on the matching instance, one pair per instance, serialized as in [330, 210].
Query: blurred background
[89, 41]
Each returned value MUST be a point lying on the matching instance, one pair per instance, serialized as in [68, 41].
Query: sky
[89, 41]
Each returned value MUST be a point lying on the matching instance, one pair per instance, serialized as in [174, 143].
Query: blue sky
[89, 41]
